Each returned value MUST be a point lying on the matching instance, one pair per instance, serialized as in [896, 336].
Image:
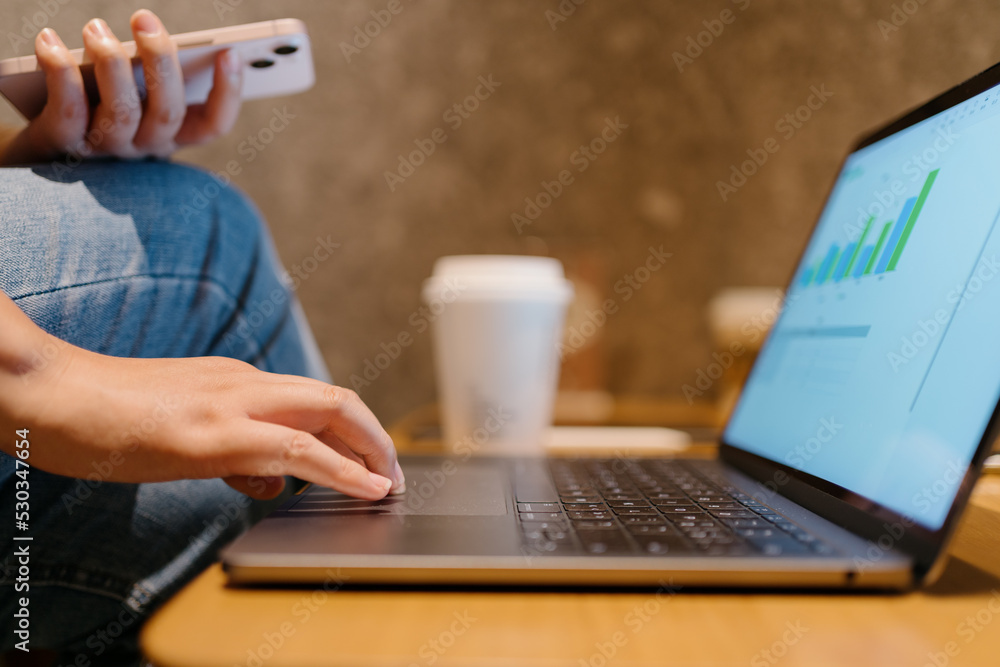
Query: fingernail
[146, 23]
[400, 484]
[232, 65]
[50, 38]
[98, 28]
[383, 483]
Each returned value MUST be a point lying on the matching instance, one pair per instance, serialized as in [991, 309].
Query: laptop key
[642, 519]
[605, 544]
[711, 499]
[668, 496]
[628, 503]
[758, 532]
[591, 514]
[596, 525]
[538, 507]
[681, 509]
[693, 522]
[649, 528]
[632, 511]
[671, 501]
[732, 514]
[586, 507]
[540, 516]
[662, 544]
[777, 546]
[749, 523]
[580, 500]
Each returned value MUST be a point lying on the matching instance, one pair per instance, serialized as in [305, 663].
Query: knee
[165, 201]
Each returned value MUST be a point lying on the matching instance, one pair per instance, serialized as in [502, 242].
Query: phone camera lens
[286, 50]
[262, 63]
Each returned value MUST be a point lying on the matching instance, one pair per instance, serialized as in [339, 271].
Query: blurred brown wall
[559, 81]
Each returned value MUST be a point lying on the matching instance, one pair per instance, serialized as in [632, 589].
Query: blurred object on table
[739, 319]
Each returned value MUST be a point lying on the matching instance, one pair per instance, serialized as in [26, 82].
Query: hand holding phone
[151, 96]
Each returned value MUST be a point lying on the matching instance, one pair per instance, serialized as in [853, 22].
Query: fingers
[61, 125]
[218, 115]
[319, 408]
[116, 118]
[165, 107]
[264, 449]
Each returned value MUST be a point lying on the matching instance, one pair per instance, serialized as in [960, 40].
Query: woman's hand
[122, 124]
[153, 420]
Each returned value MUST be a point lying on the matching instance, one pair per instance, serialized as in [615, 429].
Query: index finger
[320, 408]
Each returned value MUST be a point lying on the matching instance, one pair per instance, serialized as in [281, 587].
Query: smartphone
[276, 55]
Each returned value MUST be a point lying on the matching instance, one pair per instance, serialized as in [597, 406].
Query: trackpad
[442, 487]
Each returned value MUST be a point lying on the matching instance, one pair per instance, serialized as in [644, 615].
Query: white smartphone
[276, 55]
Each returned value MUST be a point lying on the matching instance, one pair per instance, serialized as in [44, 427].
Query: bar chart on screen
[878, 250]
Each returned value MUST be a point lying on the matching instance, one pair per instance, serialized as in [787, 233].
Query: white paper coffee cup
[499, 320]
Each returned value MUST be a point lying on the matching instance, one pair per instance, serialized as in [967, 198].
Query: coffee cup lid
[499, 277]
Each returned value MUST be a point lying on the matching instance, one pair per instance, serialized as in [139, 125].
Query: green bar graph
[912, 219]
[857, 248]
[878, 247]
[869, 256]
[829, 270]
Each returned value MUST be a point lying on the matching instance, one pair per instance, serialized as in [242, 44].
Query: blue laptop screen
[883, 370]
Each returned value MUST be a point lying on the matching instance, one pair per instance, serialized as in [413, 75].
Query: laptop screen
[883, 370]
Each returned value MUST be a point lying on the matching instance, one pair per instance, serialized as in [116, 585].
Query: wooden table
[956, 622]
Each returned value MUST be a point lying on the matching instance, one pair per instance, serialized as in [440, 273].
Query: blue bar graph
[897, 232]
[841, 269]
[807, 275]
[827, 265]
[876, 250]
[862, 262]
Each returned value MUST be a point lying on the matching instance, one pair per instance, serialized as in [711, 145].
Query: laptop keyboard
[653, 507]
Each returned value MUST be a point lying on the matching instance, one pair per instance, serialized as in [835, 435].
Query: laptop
[846, 461]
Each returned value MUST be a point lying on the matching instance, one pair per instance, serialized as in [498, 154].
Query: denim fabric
[134, 259]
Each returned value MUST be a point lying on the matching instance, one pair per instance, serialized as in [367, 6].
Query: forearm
[26, 351]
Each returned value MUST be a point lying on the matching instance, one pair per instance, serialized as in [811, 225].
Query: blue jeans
[133, 259]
